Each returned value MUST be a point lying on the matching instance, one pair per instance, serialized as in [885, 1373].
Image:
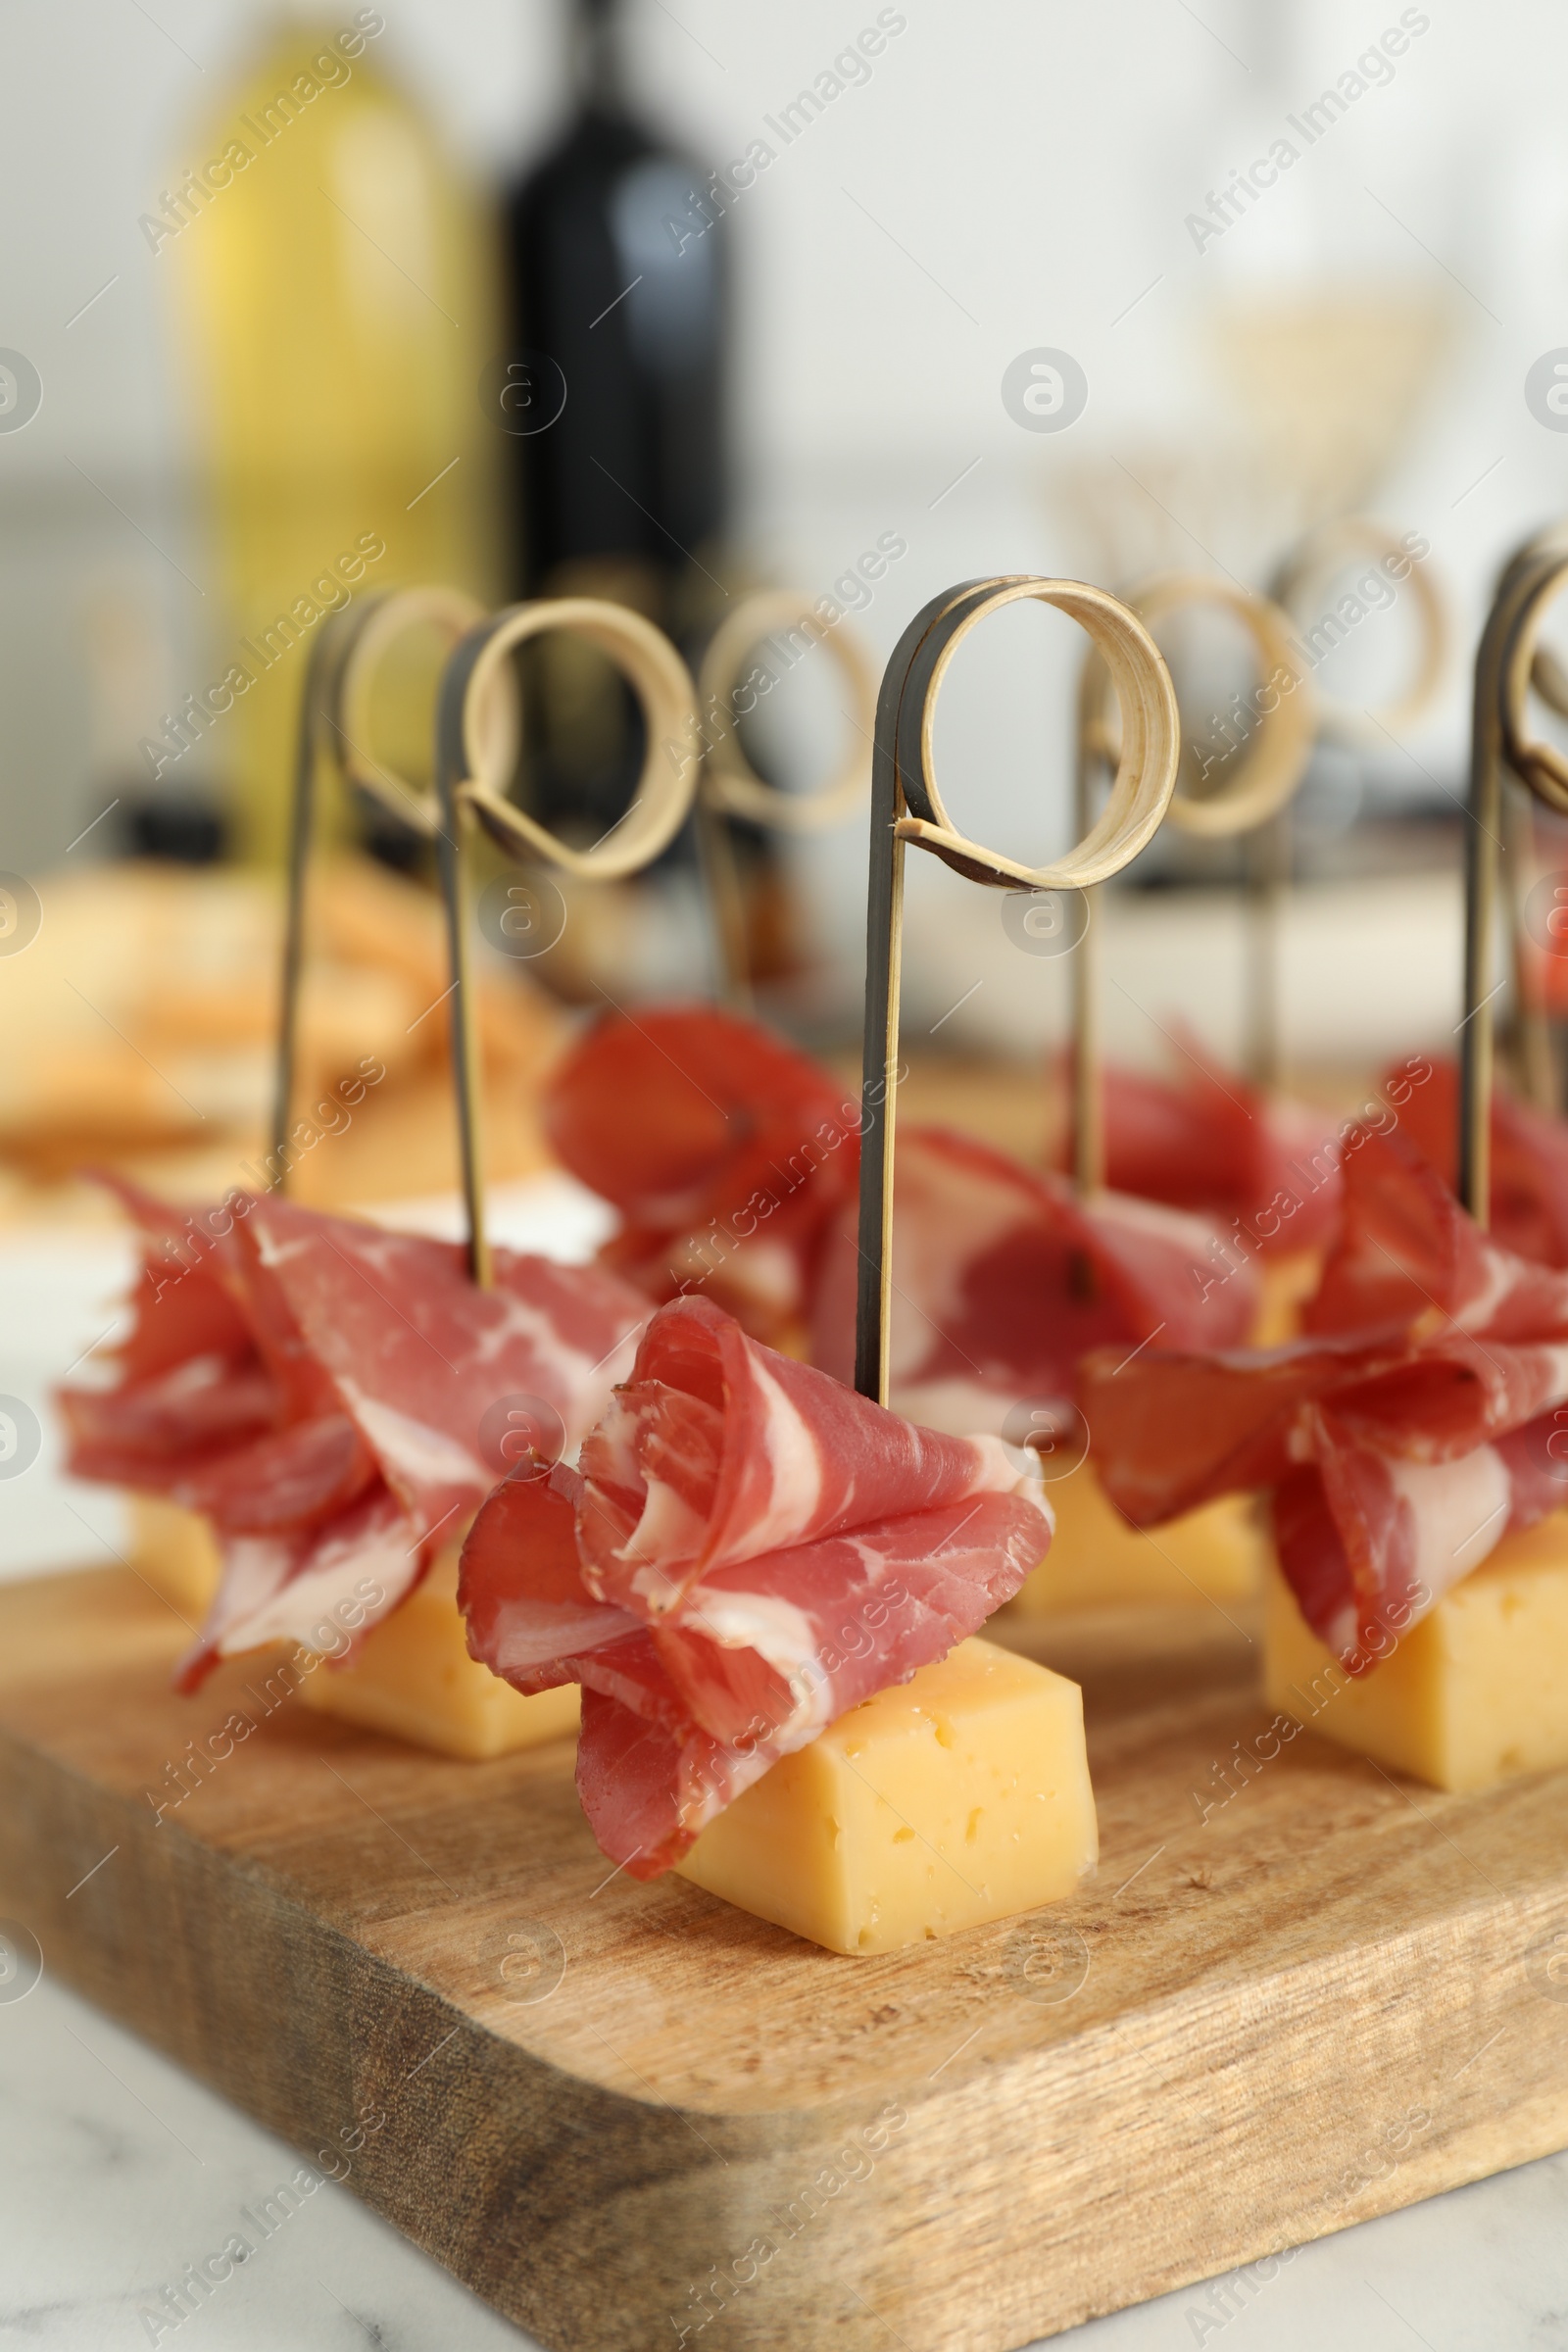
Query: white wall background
[1015, 174]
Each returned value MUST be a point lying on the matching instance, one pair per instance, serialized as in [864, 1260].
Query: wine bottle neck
[598, 64]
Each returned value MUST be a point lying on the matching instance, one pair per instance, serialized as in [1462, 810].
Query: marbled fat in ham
[317, 1388]
[1419, 1420]
[749, 1549]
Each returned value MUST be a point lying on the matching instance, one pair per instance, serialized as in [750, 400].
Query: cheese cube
[176, 1551]
[954, 1798]
[413, 1678]
[1096, 1560]
[1474, 1694]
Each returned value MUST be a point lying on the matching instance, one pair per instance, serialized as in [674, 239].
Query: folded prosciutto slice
[336, 1398]
[726, 1152]
[735, 1162]
[1413, 1427]
[1528, 1163]
[1001, 1280]
[1211, 1143]
[749, 1549]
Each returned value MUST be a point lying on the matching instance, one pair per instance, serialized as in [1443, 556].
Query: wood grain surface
[1220, 2047]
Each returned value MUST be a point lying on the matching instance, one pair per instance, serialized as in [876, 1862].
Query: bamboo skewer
[1538, 1060]
[1303, 578]
[1251, 803]
[1308, 571]
[730, 786]
[1536, 1068]
[1268, 851]
[334, 721]
[470, 788]
[1500, 740]
[907, 808]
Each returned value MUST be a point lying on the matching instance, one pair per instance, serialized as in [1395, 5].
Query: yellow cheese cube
[954, 1798]
[1476, 1692]
[412, 1675]
[176, 1551]
[1096, 1560]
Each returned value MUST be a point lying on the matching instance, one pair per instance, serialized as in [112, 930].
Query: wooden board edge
[991, 2205]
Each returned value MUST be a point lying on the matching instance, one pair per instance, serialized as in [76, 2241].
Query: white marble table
[117, 2171]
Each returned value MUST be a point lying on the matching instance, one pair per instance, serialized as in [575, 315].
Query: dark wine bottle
[616, 280]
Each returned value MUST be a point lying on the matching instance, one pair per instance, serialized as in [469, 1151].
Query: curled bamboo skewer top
[334, 721]
[729, 779]
[1251, 800]
[470, 787]
[730, 786]
[907, 809]
[1501, 738]
[1142, 791]
[1272, 764]
[470, 776]
[1550, 679]
[348, 714]
[1306, 572]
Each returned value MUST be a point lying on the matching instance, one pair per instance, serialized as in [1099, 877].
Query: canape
[765, 1586]
[1414, 1445]
[321, 1405]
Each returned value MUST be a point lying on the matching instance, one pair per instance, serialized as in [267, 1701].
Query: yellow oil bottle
[335, 296]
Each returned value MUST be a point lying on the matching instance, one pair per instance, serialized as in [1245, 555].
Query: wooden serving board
[965, 2145]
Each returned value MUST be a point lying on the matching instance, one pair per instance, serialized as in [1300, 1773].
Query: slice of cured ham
[337, 1399]
[1420, 1419]
[1001, 1280]
[735, 1161]
[1209, 1142]
[749, 1549]
[725, 1151]
[1528, 1163]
